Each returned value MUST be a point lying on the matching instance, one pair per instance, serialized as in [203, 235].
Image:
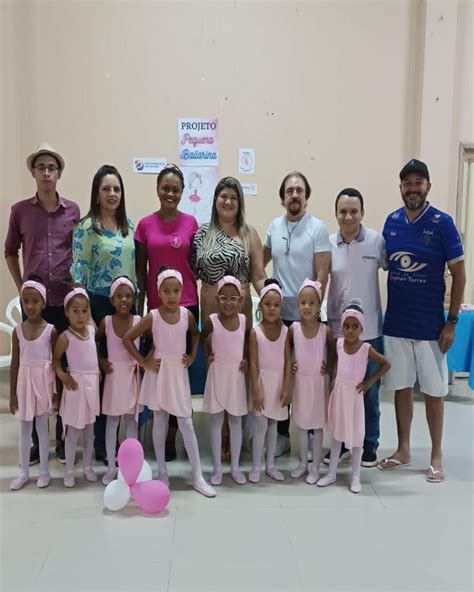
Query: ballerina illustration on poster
[199, 185]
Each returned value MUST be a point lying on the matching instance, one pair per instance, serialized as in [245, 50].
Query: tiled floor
[400, 533]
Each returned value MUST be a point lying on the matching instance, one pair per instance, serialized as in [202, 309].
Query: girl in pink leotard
[346, 404]
[270, 375]
[122, 377]
[313, 343]
[80, 399]
[224, 336]
[32, 380]
[165, 387]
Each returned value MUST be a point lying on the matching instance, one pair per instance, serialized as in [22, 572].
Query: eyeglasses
[225, 299]
[51, 168]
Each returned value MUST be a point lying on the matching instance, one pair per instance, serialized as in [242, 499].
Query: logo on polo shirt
[405, 261]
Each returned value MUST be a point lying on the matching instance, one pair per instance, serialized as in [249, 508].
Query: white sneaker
[283, 445]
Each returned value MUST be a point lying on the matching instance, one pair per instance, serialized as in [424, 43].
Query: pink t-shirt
[168, 242]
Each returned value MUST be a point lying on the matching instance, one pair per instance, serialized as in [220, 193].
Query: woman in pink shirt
[165, 238]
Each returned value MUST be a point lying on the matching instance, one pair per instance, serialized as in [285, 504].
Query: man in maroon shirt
[41, 226]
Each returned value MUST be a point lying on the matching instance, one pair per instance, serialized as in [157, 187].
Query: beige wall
[344, 91]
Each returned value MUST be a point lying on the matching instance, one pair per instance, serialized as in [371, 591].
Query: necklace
[79, 335]
[290, 232]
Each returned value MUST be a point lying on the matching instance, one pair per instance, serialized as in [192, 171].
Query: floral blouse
[98, 259]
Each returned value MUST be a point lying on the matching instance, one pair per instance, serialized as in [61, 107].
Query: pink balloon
[151, 496]
[130, 460]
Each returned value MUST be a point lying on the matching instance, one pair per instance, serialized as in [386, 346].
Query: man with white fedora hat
[41, 226]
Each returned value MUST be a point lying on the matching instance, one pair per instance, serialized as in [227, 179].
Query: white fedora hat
[44, 148]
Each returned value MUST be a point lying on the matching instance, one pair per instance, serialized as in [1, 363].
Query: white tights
[160, 431]
[356, 454]
[26, 427]
[265, 431]
[313, 474]
[235, 428]
[70, 445]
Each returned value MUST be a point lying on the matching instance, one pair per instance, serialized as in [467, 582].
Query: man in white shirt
[298, 245]
[357, 254]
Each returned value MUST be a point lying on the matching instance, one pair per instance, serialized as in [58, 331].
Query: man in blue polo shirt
[420, 241]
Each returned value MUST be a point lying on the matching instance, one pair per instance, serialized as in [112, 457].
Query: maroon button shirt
[46, 242]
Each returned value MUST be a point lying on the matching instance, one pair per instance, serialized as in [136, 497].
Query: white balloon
[145, 473]
[116, 495]
[120, 476]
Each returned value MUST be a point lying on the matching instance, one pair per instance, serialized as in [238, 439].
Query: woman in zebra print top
[227, 245]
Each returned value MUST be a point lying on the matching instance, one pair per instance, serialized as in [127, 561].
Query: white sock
[356, 453]
[313, 475]
[217, 421]
[271, 441]
[333, 463]
[113, 422]
[258, 440]
[235, 427]
[26, 427]
[131, 426]
[303, 464]
[160, 430]
[88, 451]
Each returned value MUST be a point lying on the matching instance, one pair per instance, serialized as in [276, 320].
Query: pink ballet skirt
[36, 379]
[80, 407]
[346, 417]
[122, 385]
[310, 388]
[168, 390]
[271, 361]
[225, 383]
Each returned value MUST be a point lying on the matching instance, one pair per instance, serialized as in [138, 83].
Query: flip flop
[432, 472]
[397, 464]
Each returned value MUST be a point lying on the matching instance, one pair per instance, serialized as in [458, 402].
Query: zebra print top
[227, 257]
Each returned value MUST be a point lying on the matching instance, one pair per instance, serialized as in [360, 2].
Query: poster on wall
[247, 161]
[148, 165]
[198, 142]
[199, 185]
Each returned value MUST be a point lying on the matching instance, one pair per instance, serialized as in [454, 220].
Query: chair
[13, 305]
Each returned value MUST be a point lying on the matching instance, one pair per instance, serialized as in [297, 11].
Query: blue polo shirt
[417, 253]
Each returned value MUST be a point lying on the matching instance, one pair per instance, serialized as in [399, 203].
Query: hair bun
[356, 304]
[270, 281]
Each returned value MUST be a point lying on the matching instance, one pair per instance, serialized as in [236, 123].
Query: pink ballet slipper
[202, 487]
[238, 477]
[216, 479]
[254, 476]
[69, 480]
[90, 475]
[19, 482]
[43, 480]
[110, 475]
[299, 471]
[275, 474]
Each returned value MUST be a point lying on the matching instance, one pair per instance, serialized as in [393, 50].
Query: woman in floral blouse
[103, 249]
[103, 245]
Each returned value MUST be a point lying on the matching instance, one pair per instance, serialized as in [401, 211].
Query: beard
[414, 200]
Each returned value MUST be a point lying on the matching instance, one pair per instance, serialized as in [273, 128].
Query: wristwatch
[453, 319]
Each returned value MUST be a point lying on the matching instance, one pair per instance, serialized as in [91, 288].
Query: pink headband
[310, 284]
[121, 281]
[36, 286]
[351, 312]
[169, 273]
[75, 292]
[229, 279]
[269, 288]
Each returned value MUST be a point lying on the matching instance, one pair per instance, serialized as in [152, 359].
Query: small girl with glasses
[224, 336]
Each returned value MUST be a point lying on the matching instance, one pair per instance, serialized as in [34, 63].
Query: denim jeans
[371, 401]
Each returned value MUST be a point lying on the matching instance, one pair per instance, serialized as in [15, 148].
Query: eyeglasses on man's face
[50, 168]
